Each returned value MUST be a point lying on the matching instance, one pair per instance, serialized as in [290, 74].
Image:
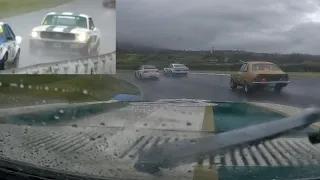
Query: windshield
[149, 67]
[259, 67]
[2, 34]
[65, 20]
[179, 66]
[161, 90]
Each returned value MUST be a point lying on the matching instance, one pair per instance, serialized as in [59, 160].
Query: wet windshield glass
[65, 20]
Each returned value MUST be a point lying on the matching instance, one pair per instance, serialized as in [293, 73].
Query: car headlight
[34, 34]
[82, 37]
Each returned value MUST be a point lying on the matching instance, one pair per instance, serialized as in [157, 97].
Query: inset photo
[60, 37]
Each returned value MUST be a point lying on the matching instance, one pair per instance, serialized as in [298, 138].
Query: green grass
[69, 88]
[16, 7]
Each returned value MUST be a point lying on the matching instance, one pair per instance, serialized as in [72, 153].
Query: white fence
[102, 64]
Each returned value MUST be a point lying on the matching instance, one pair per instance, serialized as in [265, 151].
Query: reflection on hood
[105, 138]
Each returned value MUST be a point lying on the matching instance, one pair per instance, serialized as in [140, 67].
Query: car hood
[66, 29]
[104, 138]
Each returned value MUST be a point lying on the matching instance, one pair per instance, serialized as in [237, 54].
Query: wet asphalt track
[104, 19]
[301, 92]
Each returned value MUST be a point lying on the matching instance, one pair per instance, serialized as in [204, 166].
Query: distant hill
[130, 56]
[225, 55]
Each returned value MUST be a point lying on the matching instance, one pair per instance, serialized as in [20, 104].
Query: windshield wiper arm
[170, 155]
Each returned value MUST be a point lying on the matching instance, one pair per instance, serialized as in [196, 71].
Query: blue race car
[9, 47]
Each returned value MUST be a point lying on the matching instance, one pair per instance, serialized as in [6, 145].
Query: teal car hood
[104, 138]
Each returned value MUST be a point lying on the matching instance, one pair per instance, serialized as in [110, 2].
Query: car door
[13, 43]
[95, 32]
[10, 42]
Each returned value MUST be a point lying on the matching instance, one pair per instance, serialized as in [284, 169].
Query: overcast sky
[283, 26]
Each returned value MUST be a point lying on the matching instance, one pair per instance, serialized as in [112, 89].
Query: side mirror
[18, 39]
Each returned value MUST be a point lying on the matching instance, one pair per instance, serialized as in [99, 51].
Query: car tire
[16, 60]
[233, 85]
[278, 89]
[3, 61]
[86, 51]
[247, 88]
[140, 77]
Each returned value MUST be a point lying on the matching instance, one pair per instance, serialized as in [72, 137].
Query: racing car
[176, 69]
[9, 47]
[147, 72]
[259, 75]
[109, 3]
[66, 31]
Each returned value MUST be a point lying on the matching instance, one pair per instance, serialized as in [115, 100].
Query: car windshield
[259, 67]
[65, 20]
[149, 67]
[179, 65]
[2, 33]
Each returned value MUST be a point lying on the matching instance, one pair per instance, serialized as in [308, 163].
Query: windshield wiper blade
[170, 155]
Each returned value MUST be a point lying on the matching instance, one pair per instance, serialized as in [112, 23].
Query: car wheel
[86, 50]
[3, 61]
[16, 60]
[140, 77]
[278, 89]
[233, 84]
[247, 88]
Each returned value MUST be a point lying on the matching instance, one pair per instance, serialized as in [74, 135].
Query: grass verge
[15, 7]
[18, 90]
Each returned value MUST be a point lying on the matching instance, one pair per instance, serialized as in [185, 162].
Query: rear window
[259, 67]
[65, 20]
[179, 65]
[150, 67]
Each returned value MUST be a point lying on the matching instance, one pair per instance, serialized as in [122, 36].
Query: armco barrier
[101, 64]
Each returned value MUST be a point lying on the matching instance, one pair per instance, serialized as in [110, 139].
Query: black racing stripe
[69, 29]
[50, 28]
